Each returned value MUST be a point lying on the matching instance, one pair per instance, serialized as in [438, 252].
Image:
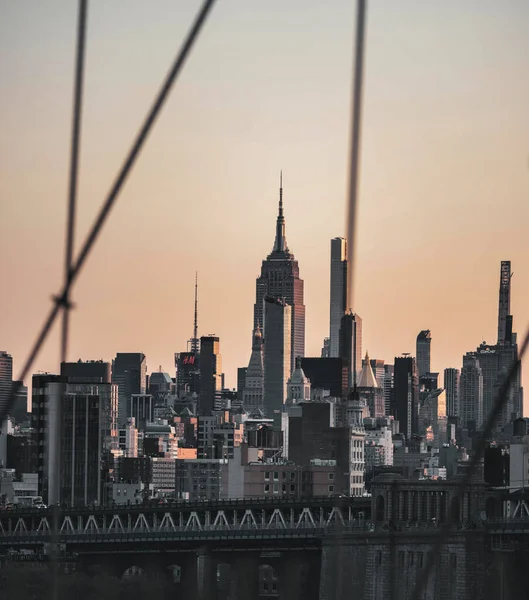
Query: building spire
[280, 244]
[194, 339]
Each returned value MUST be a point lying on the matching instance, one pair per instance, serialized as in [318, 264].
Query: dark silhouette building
[129, 371]
[210, 375]
[327, 374]
[406, 394]
[424, 342]
[90, 371]
[338, 296]
[351, 345]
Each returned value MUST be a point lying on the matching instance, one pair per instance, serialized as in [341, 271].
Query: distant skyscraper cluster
[107, 432]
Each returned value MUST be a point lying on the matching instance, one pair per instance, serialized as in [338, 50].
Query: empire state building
[280, 279]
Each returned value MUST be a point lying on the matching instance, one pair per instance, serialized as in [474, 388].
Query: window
[284, 487]
[410, 559]
[420, 559]
[267, 475]
[292, 487]
[331, 488]
[284, 474]
[331, 476]
[292, 476]
[267, 488]
[276, 475]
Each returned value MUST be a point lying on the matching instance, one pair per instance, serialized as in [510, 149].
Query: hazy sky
[444, 193]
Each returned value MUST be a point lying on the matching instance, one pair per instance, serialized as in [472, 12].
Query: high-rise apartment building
[210, 375]
[280, 279]
[471, 393]
[424, 341]
[75, 429]
[338, 297]
[277, 353]
[129, 372]
[451, 385]
[351, 345]
[504, 303]
[406, 394]
[253, 395]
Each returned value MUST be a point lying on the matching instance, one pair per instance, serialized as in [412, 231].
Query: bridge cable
[69, 243]
[61, 298]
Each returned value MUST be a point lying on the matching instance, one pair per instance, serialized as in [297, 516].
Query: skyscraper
[91, 371]
[210, 375]
[253, 395]
[6, 378]
[129, 371]
[351, 344]
[451, 385]
[424, 340]
[504, 304]
[406, 394]
[471, 393]
[388, 386]
[277, 353]
[338, 299]
[280, 279]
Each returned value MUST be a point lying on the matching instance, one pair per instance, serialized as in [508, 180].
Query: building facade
[210, 374]
[424, 342]
[351, 345]
[253, 394]
[406, 394]
[471, 393]
[338, 296]
[280, 279]
[451, 384]
[277, 353]
[129, 372]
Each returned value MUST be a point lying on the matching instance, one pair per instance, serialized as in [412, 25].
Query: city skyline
[419, 217]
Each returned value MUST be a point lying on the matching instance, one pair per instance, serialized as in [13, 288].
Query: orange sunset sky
[444, 192]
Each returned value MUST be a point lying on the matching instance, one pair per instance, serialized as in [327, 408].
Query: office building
[330, 374]
[6, 379]
[187, 374]
[406, 394]
[471, 393]
[388, 387]
[161, 386]
[424, 341]
[241, 381]
[140, 407]
[90, 371]
[504, 302]
[351, 345]
[451, 385]
[211, 382]
[280, 279]
[201, 479]
[129, 372]
[253, 394]
[19, 410]
[277, 353]
[75, 432]
[338, 296]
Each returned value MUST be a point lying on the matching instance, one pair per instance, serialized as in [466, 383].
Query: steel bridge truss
[131, 524]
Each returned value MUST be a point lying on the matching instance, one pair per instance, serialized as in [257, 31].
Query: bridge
[313, 548]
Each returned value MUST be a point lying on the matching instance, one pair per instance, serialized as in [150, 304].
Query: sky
[444, 173]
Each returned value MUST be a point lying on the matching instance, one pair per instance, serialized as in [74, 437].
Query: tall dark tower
[504, 306]
[280, 279]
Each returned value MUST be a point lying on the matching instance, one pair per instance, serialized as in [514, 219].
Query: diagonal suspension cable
[74, 169]
[152, 115]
